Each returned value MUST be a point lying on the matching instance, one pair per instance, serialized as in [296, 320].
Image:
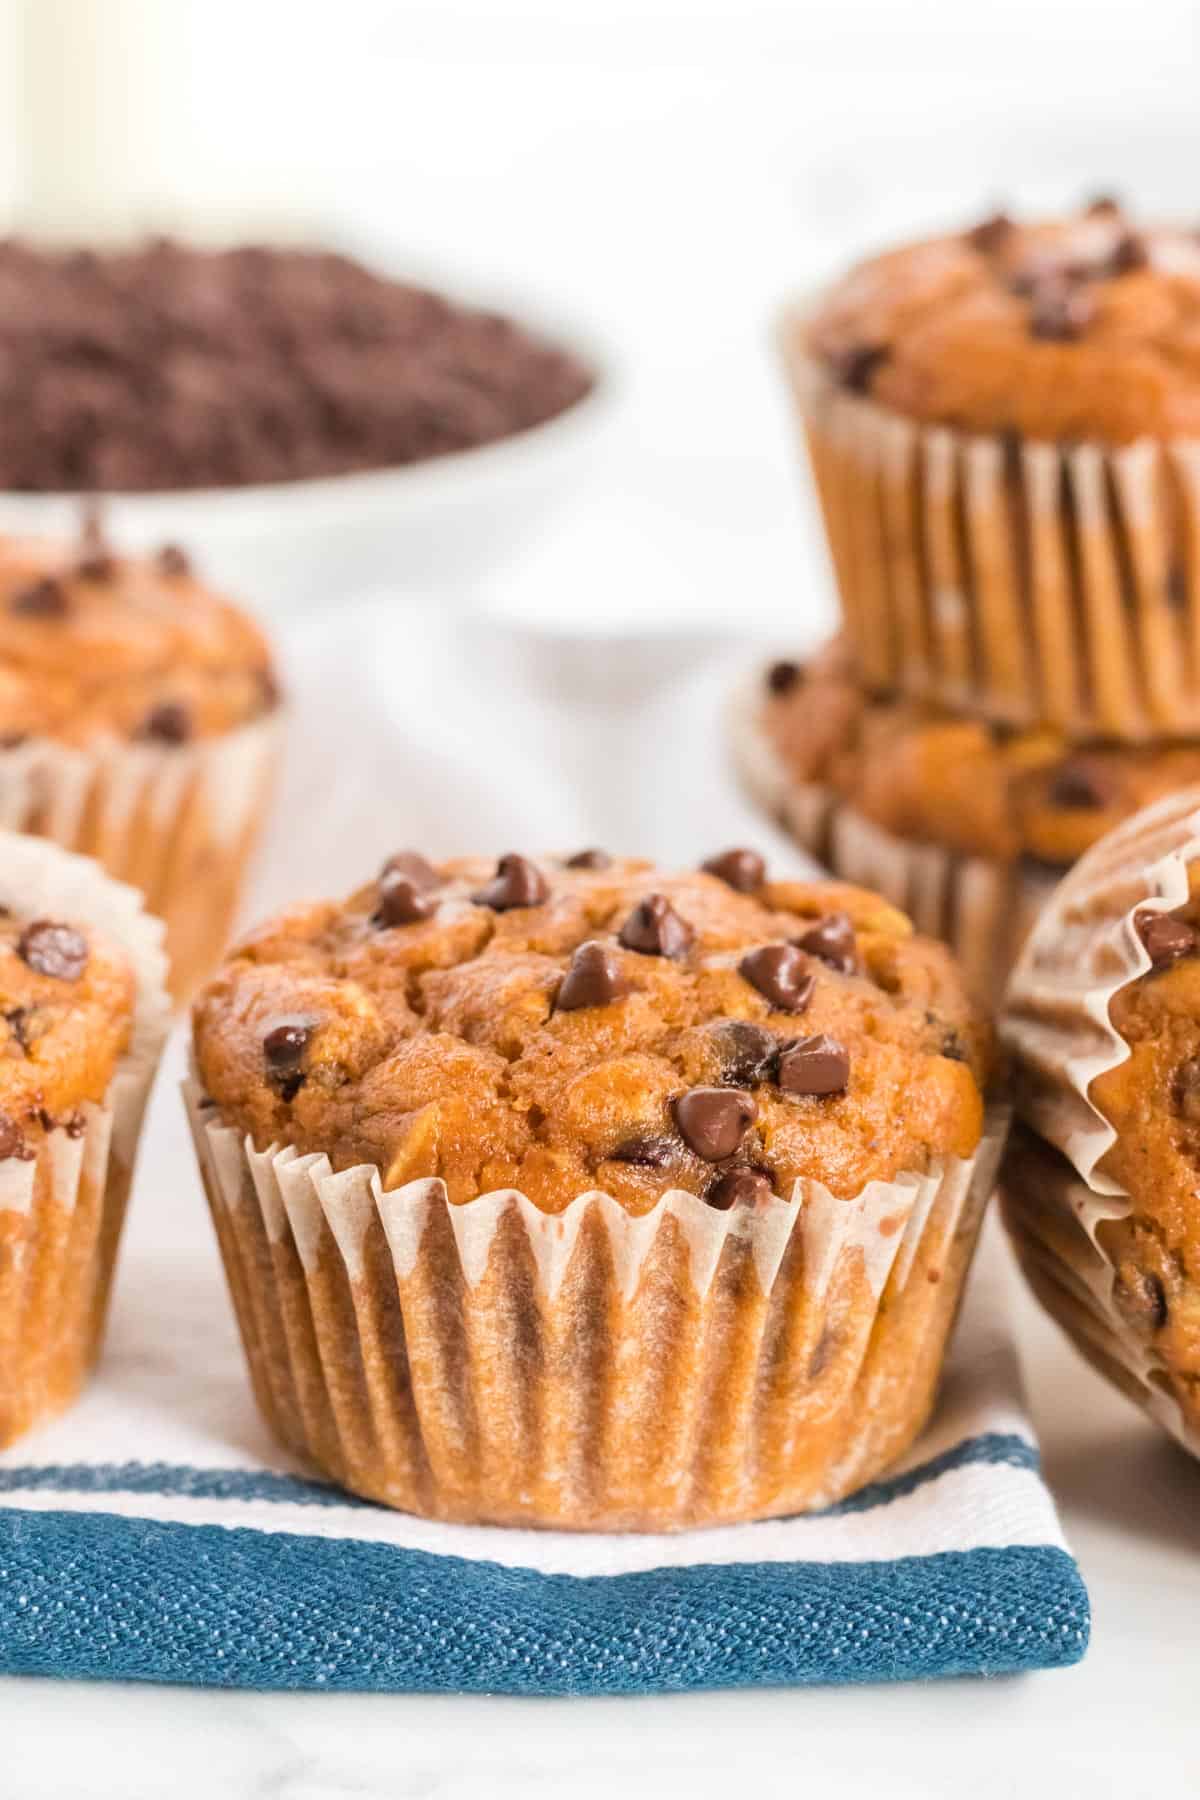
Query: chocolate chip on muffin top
[557, 1027]
[67, 998]
[97, 645]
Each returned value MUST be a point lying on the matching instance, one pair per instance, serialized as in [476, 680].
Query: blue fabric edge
[187, 1482]
[97, 1596]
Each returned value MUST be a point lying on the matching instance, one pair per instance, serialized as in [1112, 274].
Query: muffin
[575, 1193]
[1103, 1024]
[83, 1013]
[967, 825]
[1003, 425]
[139, 719]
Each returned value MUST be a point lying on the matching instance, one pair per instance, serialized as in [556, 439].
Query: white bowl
[437, 525]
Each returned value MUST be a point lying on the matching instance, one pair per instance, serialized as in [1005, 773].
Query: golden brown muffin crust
[1152, 1101]
[967, 785]
[97, 645]
[1077, 328]
[558, 1029]
[66, 1016]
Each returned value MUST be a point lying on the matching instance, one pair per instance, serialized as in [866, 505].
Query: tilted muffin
[1003, 427]
[1103, 1021]
[138, 723]
[577, 1193]
[83, 1012]
[965, 824]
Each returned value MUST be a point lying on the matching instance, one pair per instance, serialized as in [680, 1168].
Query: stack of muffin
[1004, 428]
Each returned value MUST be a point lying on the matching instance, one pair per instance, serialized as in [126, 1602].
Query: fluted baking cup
[589, 1369]
[981, 907]
[178, 822]
[61, 1211]
[1037, 583]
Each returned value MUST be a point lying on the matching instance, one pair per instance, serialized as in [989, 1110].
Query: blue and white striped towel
[155, 1533]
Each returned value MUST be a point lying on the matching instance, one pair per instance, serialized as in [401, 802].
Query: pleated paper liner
[1052, 1217]
[982, 908]
[61, 1212]
[179, 822]
[1032, 582]
[589, 1370]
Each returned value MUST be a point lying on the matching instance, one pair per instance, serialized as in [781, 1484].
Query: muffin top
[943, 778]
[96, 645]
[575, 1024]
[67, 997]
[1078, 328]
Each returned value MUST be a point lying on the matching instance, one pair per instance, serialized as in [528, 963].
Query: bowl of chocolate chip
[311, 426]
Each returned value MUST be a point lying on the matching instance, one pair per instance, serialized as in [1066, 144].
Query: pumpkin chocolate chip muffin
[1103, 1019]
[82, 1016]
[679, 1173]
[138, 718]
[966, 824]
[1002, 425]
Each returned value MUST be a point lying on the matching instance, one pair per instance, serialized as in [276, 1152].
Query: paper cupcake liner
[589, 1370]
[61, 1211]
[1051, 1216]
[1034, 582]
[177, 822]
[982, 908]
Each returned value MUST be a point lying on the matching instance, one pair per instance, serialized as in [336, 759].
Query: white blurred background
[662, 171]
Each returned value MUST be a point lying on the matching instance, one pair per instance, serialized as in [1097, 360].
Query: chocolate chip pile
[563, 1025]
[167, 367]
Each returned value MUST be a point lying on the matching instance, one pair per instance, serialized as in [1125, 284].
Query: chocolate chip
[1185, 1090]
[743, 870]
[646, 1152]
[1060, 311]
[284, 1044]
[781, 974]
[46, 599]
[834, 942]
[414, 868]
[173, 562]
[782, 676]
[17, 1021]
[1166, 939]
[589, 859]
[953, 1048]
[517, 882]
[654, 928]
[855, 364]
[713, 1121]
[1102, 206]
[169, 722]
[990, 234]
[1129, 253]
[594, 978]
[747, 1052]
[1140, 1299]
[1080, 785]
[56, 950]
[96, 565]
[401, 902]
[12, 1140]
[814, 1065]
[740, 1186]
